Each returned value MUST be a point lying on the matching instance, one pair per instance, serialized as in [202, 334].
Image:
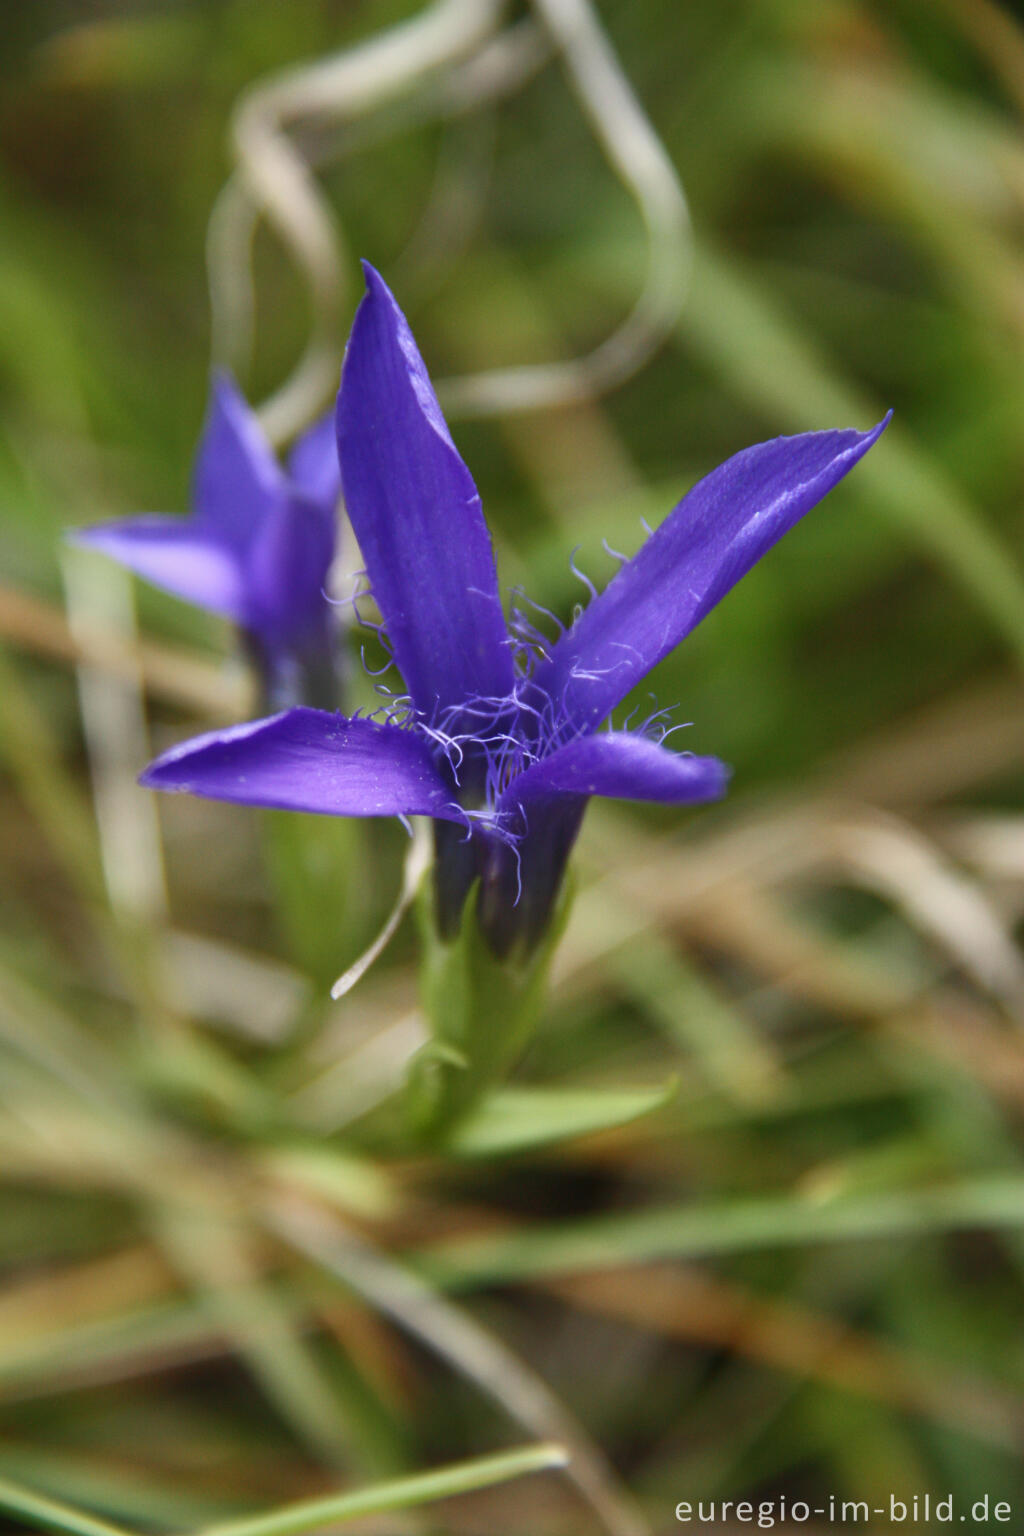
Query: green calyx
[482, 1011]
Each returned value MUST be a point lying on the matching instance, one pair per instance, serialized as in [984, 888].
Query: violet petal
[622, 766]
[310, 760]
[237, 478]
[718, 531]
[173, 553]
[313, 463]
[416, 514]
[287, 570]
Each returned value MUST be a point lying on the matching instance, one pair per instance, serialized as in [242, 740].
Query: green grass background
[800, 1272]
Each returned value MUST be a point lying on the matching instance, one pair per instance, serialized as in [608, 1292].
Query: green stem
[991, 1202]
[51, 1515]
[401, 1493]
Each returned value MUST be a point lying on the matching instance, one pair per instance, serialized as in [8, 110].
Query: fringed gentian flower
[256, 550]
[498, 737]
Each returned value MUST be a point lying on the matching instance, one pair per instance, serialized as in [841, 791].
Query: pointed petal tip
[313, 465]
[859, 443]
[222, 382]
[227, 400]
[380, 312]
[174, 553]
[163, 772]
[719, 777]
[373, 280]
[710, 776]
[237, 478]
[149, 778]
[112, 536]
[83, 537]
[103, 538]
[875, 432]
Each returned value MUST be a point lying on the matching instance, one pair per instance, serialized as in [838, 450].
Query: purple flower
[257, 549]
[498, 737]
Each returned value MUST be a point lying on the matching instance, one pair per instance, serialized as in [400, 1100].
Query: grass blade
[731, 1226]
[51, 1515]
[401, 1493]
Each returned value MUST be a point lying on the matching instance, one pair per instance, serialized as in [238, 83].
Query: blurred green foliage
[843, 1012]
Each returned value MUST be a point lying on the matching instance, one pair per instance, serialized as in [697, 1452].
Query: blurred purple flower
[257, 548]
[497, 738]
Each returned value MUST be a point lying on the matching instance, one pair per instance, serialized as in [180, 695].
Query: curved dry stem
[99, 595]
[229, 241]
[276, 177]
[417, 862]
[639, 159]
[455, 54]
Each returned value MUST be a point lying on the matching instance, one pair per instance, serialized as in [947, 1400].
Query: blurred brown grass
[802, 1272]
